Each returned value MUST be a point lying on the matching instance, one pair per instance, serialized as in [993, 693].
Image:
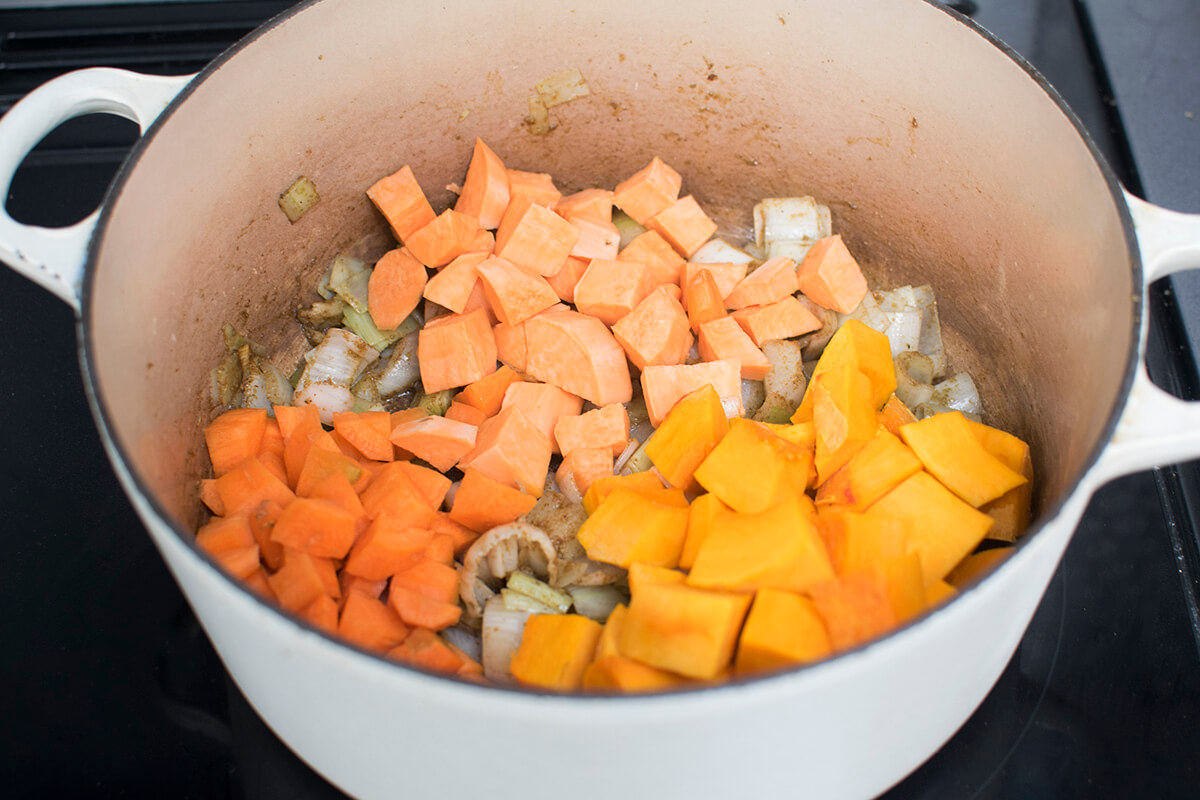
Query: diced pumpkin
[894, 415]
[1011, 510]
[555, 649]
[748, 470]
[855, 608]
[863, 348]
[628, 526]
[619, 674]
[645, 483]
[976, 565]
[877, 468]
[684, 439]
[704, 516]
[782, 629]
[951, 453]
[843, 417]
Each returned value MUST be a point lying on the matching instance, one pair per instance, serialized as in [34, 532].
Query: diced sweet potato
[648, 191]
[607, 427]
[402, 202]
[578, 354]
[662, 263]
[663, 386]
[514, 294]
[784, 319]
[534, 238]
[830, 276]
[608, 289]
[485, 191]
[456, 349]
[544, 404]
[723, 338]
[510, 449]
[656, 331]
[774, 280]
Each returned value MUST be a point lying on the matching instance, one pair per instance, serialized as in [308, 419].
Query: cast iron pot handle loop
[1156, 428]
[55, 257]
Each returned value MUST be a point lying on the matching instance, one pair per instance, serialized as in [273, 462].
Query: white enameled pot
[945, 160]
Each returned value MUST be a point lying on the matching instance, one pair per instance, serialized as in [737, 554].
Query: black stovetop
[110, 689]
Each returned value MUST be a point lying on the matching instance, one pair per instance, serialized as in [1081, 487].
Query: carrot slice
[509, 448]
[514, 294]
[256, 581]
[656, 331]
[441, 549]
[430, 579]
[536, 187]
[400, 199]
[424, 648]
[774, 280]
[455, 284]
[485, 192]
[320, 464]
[487, 393]
[248, 484]
[291, 418]
[444, 239]
[594, 204]
[782, 320]
[301, 579]
[371, 623]
[604, 427]
[432, 484]
[702, 299]
[304, 439]
[482, 502]
[337, 489]
[534, 238]
[544, 404]
[648, 191]
[609, 289]
[723, 338]
[367, 431]
[421, 611]
[440, 441]
[663, 264]
[578, 354]
[385, 548]
[352, 584]
[395, 286]
[455, 350]
[211, 497]
[684, 224]
[322, 612]
[234, 436]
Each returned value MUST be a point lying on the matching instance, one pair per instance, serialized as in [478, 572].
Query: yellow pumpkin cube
[939, 592]
[895, 415]
[703, 516]
[782, 629]
[628, 526]
[855, 608]
[951, 453]
[942, 529]
[555, 649]
[1011, 510]
[608, 643]
[682, 629]
[904, 584]
[747, 468]
[619, 674]
[641, 482]
[779, 548]
[692, 428]
[977, 565]
[867, 539]
[843, 418]
[640, 573]
[880, 466]
[859, 347]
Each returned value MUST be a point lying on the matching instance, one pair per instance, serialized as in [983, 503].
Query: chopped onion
[958, 393]
[349, 278]
[329, 398]
[263, 384]
[931, 329]
[786, 378]
[338, 359]
[790, 219]
[626, 454]
[465, 640]
[500, 637]
[596, 602]
[868, 313]
[753, 395]
[719, 251]
[400, 369]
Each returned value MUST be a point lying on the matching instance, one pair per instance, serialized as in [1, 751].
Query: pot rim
[101, 413]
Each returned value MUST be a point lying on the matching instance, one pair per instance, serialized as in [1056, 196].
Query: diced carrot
[256, 581]
[656, 331]
[320, 464]
[588, 204]
[385, 548]
[535, 238]
[394, 492]
[301, 579]
[454, 284]
[290, 418]
[367, 431]
[584, 465]
[432, 484]
[441, 549]
[322, 612]
[444, 239]
[663, 264]
[344, 447]
[234, 436]
[664, 386]
[430, 579]
[395, 287]
[648, 191]
[406, 415]
[514, 294]
[440, 441]
[248, 484]
[225, 533]
[597, 238]
[543, 404]
[421, 611]
[371, 623]
[424, 648]
[577, 353]
[831, 277]
[482, 502]
[353, 584]
[536, 187]
[774, 280]
[723, 338]
[240, 562]
[702, 299]
[487, 393]
[400, 199]
[460, 536]
[318, 527]
[337, 489]
[725, 276]
[272, 442]
[684, 224]
[781, 320]
[485, 192]
[607, 426]
[305, 438]
[463, 412]
[610, 289]
[211, 497]
[455, 350]
[509, 448]
[262, 520]
[564, 281]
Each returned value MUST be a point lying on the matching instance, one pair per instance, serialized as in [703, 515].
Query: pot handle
[55, 257]
[1155, 427]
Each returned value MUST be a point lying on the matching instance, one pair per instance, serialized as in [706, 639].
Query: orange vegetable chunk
[577, 353]
[694, 426]
[211, 497]
[725, 276]
[426, 649]
[444, 239]
[723, 338]
[830, 276]
[429, 578]
[950, 451]
[682, 629]
[544, 404]
[648, 191]
[371, 623]
[400, 199]
[645, 483]
[301, 579]
[702, 299]
[385, 548]
[291, 418]
[395, 287]
[597, 238]
[620, 674]
[510, 449]
[663, 264]
[462, 412]
[514, 294]
[750, 467]
[318, 527]
[782, 629]
[454, 284]
[704, 515]
[863, 348]
[368, 431]
[774, 280]
[609, 289]
[567, 278]
[656, 331]
[664, 386]
[784, 319]
[248, 484]
[555, 650]
[455, 350]
[872, 472]
[262, 520]
[604, 427]
[843, 417]
[583, 466]
[431, 484]
[535, 238]
[485, 192]
[394, 492]
[587, 204]
[536, 187]
[320, 464]
[482, 502]
[855, 608]
[487, 393]
[630, 527]
[894, 415]
[684, 224]
[225, 533]
[440, 441]
[419, 611]
[234, 436]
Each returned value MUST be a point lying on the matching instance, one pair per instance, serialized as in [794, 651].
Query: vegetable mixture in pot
[578, 443]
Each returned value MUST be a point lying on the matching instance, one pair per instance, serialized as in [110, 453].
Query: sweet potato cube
[607, 426]
[784, 319]
[830, 277]
[597, 238]
[577, 353]
[843, 417]
[487, 393]
[684, 224]
[402, 202]
[951, 453]
[456, 349]
[555, 649]
[463, 412]
[619, 674]
[447, 237]
[536, 187]
[656, 331]
[855, 608]
[534, 238]
[865, 349]
[567, 278]
[704, 516]
[872, 472]
[482, 503]
[774, 280]
[628, 526]
[544, 404]
[485, 192]
[942, 529]
[453, 285]
[583, 466]
[725, 276]
[665, 385]
[509, 448]
[703, 302]
[648, 191]
[645, 483]
[440, 441]
[682, 629]
[778, 548]
[694, 426]
[514, 294]
[663, 264]
[749, 468]
[894, 415]
[723, 338]
[782, 629]
[610, 289]
[587, 204]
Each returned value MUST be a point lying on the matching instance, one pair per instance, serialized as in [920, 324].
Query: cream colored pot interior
[943, 162]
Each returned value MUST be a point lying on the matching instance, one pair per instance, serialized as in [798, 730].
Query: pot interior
[942, 160]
